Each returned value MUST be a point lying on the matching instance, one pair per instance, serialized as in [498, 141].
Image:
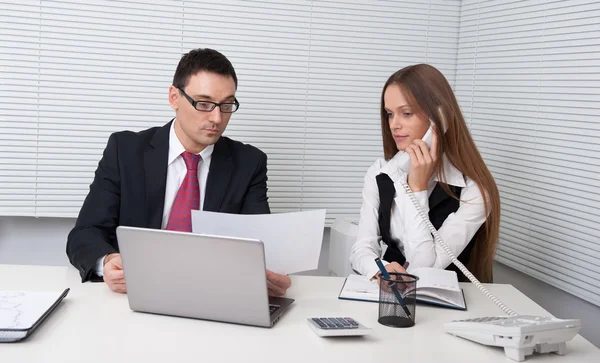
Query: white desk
[96, 325]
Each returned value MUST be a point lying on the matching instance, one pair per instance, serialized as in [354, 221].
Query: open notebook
[22, 312]
[435, 286]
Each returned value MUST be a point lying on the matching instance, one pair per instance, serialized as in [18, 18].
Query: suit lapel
[219, 174]
[155, 173]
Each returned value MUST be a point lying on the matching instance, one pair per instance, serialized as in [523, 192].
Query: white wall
[34, 241]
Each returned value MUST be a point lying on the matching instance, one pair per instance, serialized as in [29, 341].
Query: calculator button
[330, 323]
[351, 321]
[320, 323]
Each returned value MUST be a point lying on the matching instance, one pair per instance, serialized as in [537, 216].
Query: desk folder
[21, 312]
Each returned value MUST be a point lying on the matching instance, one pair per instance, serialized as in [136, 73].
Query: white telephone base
[520, 335]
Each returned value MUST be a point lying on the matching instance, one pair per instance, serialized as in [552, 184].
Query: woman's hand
[390, 267]
[422, 162]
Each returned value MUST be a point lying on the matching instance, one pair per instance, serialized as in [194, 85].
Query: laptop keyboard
[272, 308]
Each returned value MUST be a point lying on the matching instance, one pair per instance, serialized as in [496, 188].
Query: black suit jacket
[129, 190]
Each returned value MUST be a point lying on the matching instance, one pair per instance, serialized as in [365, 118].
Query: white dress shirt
[407, 227]
[176, 171]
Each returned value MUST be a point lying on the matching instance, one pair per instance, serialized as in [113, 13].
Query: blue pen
[385, 274]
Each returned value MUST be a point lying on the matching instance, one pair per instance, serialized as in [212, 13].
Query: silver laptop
[198, 276]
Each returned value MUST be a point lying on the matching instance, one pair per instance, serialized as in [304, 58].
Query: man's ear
[174, 97]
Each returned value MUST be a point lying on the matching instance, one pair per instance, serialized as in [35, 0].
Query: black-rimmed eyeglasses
[207, 106]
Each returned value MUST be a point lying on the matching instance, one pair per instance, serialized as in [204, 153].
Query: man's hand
[113, 273]
[277, 284]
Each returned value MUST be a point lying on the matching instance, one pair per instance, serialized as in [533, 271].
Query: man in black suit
[154, 178]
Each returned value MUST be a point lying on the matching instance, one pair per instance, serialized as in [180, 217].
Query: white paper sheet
[292, 241]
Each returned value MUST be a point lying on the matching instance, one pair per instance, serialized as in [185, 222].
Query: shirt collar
[453, 175]
[176, 148]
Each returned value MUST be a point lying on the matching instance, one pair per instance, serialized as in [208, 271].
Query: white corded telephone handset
[404, 161]
[519, 335]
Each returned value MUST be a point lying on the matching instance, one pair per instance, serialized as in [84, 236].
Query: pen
[385, 274]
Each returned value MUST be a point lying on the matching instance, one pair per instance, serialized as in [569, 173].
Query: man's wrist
[109, 257]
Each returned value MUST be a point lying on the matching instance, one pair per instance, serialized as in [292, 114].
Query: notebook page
[436, 278]
[454, 298]
[21, 309]
[361, 288]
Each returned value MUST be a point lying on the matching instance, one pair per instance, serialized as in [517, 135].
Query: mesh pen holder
[397, 300]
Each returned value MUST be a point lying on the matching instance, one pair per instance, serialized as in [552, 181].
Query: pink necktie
[187, 198]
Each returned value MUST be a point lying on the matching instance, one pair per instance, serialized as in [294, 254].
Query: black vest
[441, 205]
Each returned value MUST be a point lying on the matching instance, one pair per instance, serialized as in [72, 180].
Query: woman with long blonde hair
[448, 178]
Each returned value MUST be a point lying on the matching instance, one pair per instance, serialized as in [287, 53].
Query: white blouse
[407, 227]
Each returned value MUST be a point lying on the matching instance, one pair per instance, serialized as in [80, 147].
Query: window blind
[527, 76]
[19, 109]
[310, 77]
[354, 49]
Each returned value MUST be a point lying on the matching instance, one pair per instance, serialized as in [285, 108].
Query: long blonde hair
[429, 94]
